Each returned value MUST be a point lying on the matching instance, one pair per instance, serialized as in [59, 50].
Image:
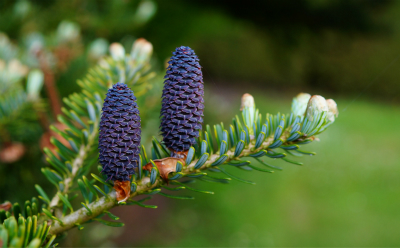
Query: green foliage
[110, 19]
[22, 228]
[18, 117]
[19, 105]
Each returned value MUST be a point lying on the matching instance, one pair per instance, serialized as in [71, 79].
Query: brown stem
[49, 83]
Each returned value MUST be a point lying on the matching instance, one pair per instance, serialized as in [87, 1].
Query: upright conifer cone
[119, 138]
[182, 100]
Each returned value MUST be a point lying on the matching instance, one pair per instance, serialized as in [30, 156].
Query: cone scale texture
[119, 138]
[182, 100]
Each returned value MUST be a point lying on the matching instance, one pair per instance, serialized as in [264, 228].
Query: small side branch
[77, 163]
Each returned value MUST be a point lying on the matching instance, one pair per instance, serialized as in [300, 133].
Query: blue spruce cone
[182, 100]
[119, 138]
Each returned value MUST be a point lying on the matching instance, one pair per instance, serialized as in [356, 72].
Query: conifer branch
[76, 164]
[143, 186]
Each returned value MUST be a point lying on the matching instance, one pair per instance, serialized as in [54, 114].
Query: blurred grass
[346, 195]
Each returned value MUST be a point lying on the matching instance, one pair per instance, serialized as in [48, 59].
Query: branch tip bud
[117, 51]
[142, 50]
[299, 104]
[316, 105]
[333, 111]
[247, 101]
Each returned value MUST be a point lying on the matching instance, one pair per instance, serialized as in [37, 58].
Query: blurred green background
[346, 195]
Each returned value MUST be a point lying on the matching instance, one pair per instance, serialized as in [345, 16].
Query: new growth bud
[299, 104]
[247, 101]
[68, 31]
[333, 111]
[117, 51]
[142, 50]
[34, 84]
[248, 108]
[98, 48]
[316, 105]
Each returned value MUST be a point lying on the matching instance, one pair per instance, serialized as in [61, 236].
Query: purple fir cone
[119, 138]
[182, 100]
